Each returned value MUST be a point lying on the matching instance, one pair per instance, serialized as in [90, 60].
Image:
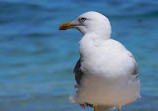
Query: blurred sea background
[37, 60]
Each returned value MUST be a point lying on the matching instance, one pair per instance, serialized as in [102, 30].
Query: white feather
[107, 65]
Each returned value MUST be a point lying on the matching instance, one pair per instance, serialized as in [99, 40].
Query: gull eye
[82, 20]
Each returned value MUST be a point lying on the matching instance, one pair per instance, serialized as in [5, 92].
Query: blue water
[37, 60]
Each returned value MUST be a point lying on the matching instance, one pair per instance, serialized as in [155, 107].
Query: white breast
[108, 79]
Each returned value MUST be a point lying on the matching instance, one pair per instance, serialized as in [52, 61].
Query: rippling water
[36, 60]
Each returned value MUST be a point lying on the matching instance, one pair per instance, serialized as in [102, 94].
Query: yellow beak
[66, 26]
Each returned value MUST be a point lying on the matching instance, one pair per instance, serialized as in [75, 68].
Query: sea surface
[37, 60]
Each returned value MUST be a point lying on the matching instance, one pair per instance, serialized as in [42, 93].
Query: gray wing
[135, 69]
[78, 73]
[78, 76]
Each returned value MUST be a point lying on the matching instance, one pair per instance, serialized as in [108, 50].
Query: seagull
[106, 73]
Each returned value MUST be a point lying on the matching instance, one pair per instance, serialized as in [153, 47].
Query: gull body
[106, 73]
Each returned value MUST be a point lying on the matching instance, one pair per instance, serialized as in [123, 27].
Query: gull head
[90, 22]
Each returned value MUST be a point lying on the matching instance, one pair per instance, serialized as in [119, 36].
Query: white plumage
[110, 72]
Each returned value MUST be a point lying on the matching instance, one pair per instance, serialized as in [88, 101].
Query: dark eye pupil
[83, 19]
